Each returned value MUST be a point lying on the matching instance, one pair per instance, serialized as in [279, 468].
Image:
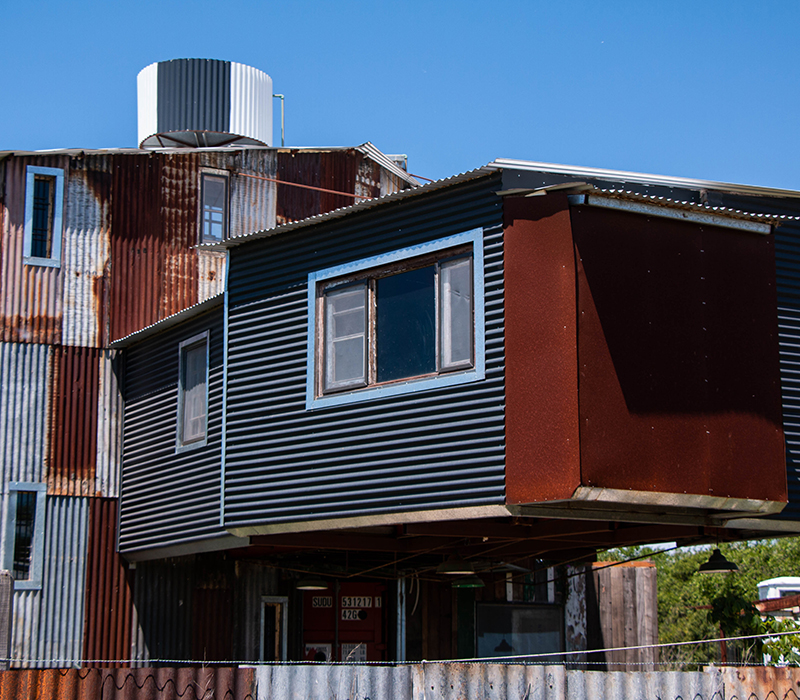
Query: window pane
[194, 393]
[457, 324]
[406, 324]
[345, 337]
[23, 534]
[42, 228]
[214, 208]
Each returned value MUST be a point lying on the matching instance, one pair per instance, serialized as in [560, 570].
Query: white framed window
[44, 216]
[396, 323]
[192, 427]
[24, 540]
[213, 206]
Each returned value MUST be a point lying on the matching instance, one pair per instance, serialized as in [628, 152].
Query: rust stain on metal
[542, 439]
[221, 683]
[30, 295]
[109, 588]
[679, 388]
[73, 429]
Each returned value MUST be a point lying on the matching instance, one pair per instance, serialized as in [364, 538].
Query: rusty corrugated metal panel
[253, 580]
[223, 683]
[335, 170]
[109, 428]
[71, 464]
[109, 588]
[210, 274]
[24, 398]
[48, 623]
[154, 267]
[85, 250]
[212, 624]
[30, 295]
[252, 201]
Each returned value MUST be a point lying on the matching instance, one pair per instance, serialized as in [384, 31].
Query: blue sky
[697, 89]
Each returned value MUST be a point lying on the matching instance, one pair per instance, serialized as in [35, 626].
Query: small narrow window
[24, 555]
[274, 628]
[214, 225]
[345, 337]
[44, 195]
[24, 527]
[193, 392]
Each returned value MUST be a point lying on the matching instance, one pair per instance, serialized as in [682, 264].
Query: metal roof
[169, 321]
[644, 178]
[346, 211]
[368, 149]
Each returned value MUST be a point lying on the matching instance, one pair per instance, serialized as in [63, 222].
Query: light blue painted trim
[180, 447]
[58, 217]
[477, 373]
[34, 583]
[223, 450]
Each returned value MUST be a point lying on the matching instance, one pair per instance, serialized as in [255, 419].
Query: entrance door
[274, 630]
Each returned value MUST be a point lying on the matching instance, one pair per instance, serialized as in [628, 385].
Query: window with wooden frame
[192, 425]
[398, 322]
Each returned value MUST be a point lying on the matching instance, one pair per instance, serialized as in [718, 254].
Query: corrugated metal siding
[109, 427]
[85, 251]
[194, 93]
[73, 433]
[48, 624]
[25, 405]
[253, 580]
[334, 171]
[109, 588]
[435, 449]
[129, 684]
[169, 498]
[30, 295]
[252, 202]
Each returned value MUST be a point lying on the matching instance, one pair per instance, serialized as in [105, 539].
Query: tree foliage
[693, 606]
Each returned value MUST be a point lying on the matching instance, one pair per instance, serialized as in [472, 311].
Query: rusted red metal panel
[679, 376]
[73, 429]
[154, 213]
[109, 589]
[129, 684]
[542, 446]
[334, 170]
[212, 627]
[30, 295]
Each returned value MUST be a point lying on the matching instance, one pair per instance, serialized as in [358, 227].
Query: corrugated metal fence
[443, 681]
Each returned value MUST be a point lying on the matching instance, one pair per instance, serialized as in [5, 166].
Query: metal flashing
[169, 321]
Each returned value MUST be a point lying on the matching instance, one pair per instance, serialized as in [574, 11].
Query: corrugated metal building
[118, 254]
[623, 350]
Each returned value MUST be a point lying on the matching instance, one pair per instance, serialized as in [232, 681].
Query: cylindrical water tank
[196, 102]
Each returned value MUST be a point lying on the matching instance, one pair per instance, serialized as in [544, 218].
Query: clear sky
[706, 89]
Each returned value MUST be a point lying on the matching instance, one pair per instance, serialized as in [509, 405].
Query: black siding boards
[169, 498]
[432, 449]
[194, 94]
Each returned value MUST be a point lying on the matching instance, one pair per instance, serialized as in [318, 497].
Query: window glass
[405, 324]
[194, 392]
[24, 529]
[42, 228]
[345, 337]
[215, 215]
[506, 630]
[456, 323]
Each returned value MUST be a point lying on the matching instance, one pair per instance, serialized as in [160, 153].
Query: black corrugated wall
[169, 498]
[432, 449]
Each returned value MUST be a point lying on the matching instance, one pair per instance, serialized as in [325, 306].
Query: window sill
[408, 386]
[27, 585]
[189, 446]
[42, 262]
